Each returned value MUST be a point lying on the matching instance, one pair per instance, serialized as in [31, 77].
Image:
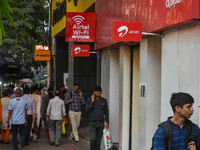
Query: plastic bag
[107, 139]
[63, 128]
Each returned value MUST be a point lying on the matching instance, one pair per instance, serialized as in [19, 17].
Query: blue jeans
[22, 132]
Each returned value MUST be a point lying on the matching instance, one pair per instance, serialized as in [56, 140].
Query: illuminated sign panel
[42, 55]
[80, 27]
[80, 50]
[127, 31]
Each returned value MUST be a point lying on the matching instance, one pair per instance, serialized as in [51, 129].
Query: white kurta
[4, 107]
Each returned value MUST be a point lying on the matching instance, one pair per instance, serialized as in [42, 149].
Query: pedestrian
[5, 129]
[75, 99]
[63, 94]
[45, 105]
[18, 114]
[55, 114]
[30, 112]
[38, 102]
[180, 126]
[11, 87]
[98, 112]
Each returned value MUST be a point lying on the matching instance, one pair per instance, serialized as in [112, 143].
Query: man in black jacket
[98, 112]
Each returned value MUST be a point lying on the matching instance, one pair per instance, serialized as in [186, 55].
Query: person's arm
[159, 139]
[196, 131]
[0, 113]
[10, 108]
[9, 116]
[41, 111]
[106, 111]
[63, 110]
[48, 111]
[68, 99]
[90, 103]
[34, 107]
[26, 117]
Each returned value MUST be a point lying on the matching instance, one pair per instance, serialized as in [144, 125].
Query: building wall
[180, 67]
[150, 77]
[124, 96]
[61, 61]
[110, 86]
[136, 98]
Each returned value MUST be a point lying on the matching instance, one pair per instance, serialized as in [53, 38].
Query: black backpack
[168, 133]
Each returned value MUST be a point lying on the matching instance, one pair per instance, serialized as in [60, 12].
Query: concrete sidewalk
[65, 143]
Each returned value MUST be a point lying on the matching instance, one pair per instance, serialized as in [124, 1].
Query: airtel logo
[170, 3]
[123, 31]
[77, 50]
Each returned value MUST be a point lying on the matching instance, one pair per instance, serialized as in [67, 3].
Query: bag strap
[168, 134]
[189, 136]
[70, 93]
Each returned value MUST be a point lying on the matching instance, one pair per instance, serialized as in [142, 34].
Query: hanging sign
[80, 27]
[127, 31]
[80, 50]
[42, 55]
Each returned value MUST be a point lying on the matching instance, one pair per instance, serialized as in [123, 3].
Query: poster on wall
[65, 80]
[80, 27]
[127, 31]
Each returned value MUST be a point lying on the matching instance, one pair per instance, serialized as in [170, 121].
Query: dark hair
[76, 84]
[34, 88]
[50, 90]
[26, 90]
[62, 85]
[7, 92]
[180, 99]
[57, 93]
[11, 86]
[98, 89]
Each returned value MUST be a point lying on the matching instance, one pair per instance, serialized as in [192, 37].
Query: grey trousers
[55, 131]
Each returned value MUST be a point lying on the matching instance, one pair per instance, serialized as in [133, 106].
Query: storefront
[138, 78]
[76, 69]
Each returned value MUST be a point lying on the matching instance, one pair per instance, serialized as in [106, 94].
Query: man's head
[26, 90]
[76, 88]
[98, 91]
[18, 92]
[57, 93]
[11, 87]
[62, 87]
[182, 103]
[7, 92]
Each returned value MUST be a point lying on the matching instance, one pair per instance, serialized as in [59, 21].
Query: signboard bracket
[152, 34]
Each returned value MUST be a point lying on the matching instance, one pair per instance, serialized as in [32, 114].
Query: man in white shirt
[55, 113]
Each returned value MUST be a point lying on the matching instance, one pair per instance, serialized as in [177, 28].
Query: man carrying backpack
[178, 132]
[75, 99]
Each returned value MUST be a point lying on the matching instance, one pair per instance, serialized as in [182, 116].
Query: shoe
[51, 143]
[57, 145]
[72, 139]
[26, 143]
[6, 142]
[20, 147]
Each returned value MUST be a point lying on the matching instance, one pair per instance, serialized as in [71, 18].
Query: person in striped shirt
[181, 104]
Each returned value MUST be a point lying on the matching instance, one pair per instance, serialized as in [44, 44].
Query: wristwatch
[8, 122]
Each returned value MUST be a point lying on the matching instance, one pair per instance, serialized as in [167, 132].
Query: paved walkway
[65, 143]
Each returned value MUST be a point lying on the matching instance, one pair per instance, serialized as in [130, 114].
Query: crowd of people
[22, 110]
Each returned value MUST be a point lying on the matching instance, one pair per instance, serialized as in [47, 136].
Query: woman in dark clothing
[45, 105]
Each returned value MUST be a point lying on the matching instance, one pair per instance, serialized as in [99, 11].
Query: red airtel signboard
[80, 27]
[127, 31]
[80, 50]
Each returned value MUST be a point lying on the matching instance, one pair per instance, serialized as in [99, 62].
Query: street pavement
[65, 144]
